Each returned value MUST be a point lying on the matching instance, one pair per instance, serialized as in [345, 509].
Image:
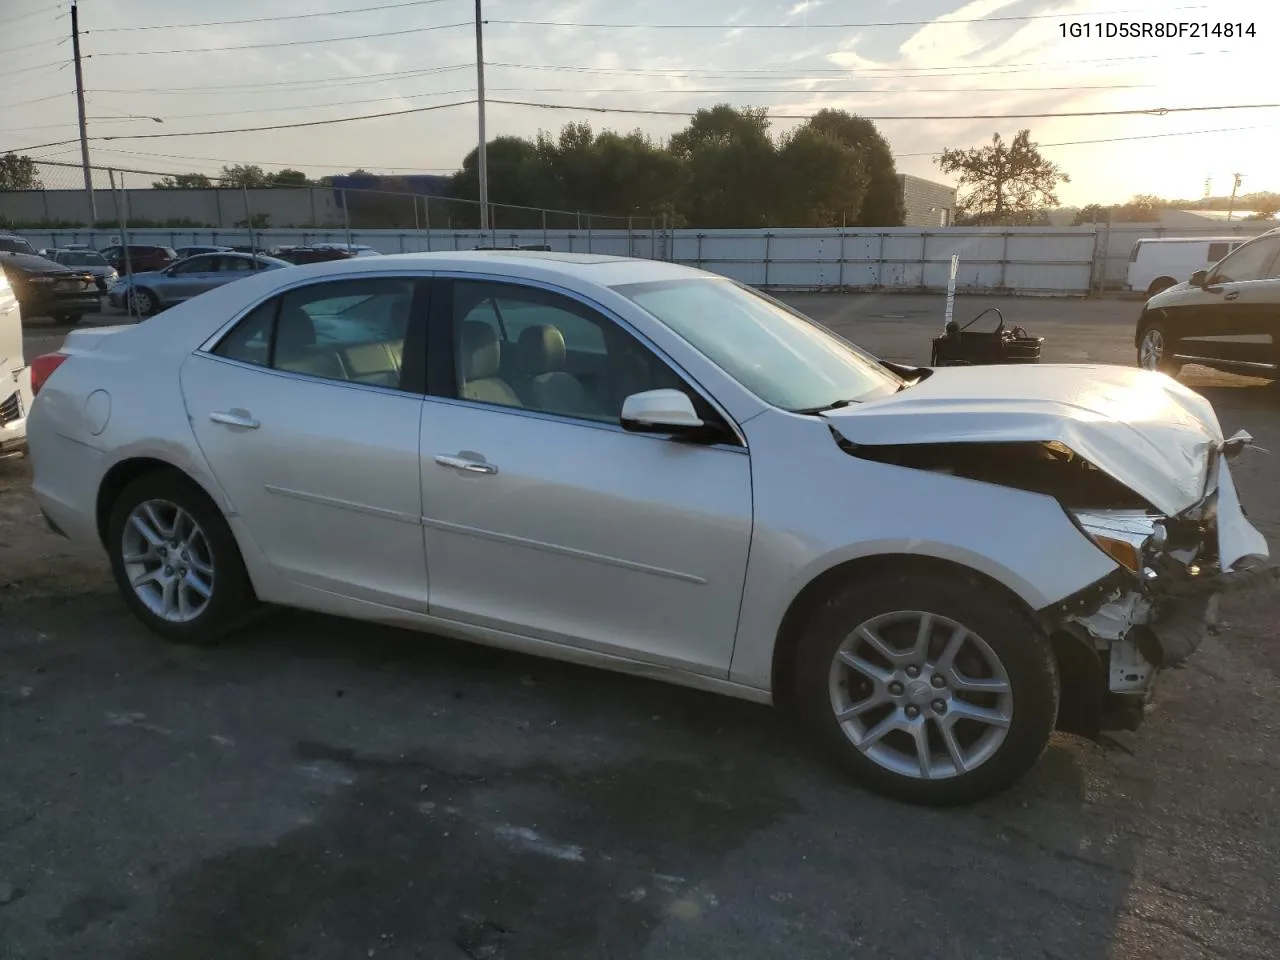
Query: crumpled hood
[1144, 429]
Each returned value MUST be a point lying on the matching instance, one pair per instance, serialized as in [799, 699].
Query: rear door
[308, 414]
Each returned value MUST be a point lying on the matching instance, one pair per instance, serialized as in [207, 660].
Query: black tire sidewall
[232, 598]
[1022, 647]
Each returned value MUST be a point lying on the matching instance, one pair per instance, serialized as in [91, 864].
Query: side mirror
[1199, 278]
[661, 411]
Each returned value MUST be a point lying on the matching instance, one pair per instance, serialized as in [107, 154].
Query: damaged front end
[1154, 609]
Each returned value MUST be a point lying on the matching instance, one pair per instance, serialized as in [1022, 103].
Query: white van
[15, 377]
[1158, 264]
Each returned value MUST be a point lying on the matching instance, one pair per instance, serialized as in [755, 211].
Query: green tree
[731, 167]
[183, 181]
[1265, 206]
[882, 203]
[1142, 208]
[289, 178]
[244, 175]
[1093, 213]
[516, 176]
[824, 180]
[19, 173]
[1004, 184]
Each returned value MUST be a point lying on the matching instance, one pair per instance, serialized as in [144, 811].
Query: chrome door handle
[467, 466]
[235, 420]
[1232, 295]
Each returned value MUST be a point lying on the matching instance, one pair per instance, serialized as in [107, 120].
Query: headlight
[1126, 537]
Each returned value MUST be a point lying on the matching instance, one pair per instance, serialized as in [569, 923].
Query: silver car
[652, 469]
[158, 290]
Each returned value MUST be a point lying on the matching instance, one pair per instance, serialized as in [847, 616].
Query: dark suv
[143, 258]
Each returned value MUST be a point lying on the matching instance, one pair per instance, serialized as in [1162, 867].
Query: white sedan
[649, 468]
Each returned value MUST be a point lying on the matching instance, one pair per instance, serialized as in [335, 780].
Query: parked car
[12, 243]
[183, 252]
[89, 261]
[158, 290]
[1158, 263]
[301, 255]
[143, 258]
[353, 249]
[15, 377]
[642, 466]
[1226, 317]
[48, 289]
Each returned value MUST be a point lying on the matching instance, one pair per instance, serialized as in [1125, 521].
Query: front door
[1235, 318]
[308, 413]
[543, 517]
[188, 278]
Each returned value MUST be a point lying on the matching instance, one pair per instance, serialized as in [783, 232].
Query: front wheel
[175, 559]
[931, 689]
[1155, 351]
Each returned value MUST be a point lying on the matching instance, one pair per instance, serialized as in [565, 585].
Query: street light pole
[482, 156]
[1231, 207]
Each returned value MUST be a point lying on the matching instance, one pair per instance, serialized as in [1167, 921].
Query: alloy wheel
[921, 695]
[1151, 350]
[168, 561]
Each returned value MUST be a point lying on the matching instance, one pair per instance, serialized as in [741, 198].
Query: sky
[1010, 57]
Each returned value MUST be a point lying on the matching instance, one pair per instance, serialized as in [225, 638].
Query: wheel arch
[124, 472]
[1160, 283]
[1079, 669]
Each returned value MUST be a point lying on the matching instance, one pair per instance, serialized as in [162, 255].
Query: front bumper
[1137, 624]
[15, 402]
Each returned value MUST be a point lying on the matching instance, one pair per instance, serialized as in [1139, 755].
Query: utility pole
[84, 134]
[483, 155]
[1231, 207]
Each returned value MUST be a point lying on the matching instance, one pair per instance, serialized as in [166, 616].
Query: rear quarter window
[1217, 251]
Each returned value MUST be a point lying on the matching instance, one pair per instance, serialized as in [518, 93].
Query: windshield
[15, 245]
[780, 355]
[76, 259]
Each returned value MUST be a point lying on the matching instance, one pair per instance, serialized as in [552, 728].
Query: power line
[26, 103]
[339, 80]
[726, 27]
[293, 16]
[1077, 143]
[286, 43]
[1153, 111]
[279, 163]
[310, 106]
[33, 13]
[282, 126]
[42, 66]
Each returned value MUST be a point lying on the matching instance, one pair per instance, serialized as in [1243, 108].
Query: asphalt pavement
[326, 789]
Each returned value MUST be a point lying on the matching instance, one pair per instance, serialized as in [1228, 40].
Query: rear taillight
[42, 368]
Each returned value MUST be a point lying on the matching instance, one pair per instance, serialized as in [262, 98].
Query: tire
[144, 302]
[211, 593]
[1159, 285]
[69, 319]
[998, 735]
[1154, 350]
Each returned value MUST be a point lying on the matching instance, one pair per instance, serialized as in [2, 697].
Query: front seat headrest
[541, 349]
[480, 349]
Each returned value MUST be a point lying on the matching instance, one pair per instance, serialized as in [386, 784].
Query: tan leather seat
[296, 349]
[480, 359]
[548, 385]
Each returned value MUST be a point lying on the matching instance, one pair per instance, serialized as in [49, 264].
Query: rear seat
[376, 364]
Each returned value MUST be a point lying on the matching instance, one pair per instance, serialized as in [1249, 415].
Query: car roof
[1230, 239]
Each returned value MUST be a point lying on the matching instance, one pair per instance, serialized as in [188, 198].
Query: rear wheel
[1155, 351]
[175, 559]
[931, 689]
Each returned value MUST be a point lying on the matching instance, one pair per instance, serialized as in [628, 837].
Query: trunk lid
[1145, 430]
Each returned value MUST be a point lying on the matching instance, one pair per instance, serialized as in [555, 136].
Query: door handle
[1234, 294]
[235, 420]
[466, 465]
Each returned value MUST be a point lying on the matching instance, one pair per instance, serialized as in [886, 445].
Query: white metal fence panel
[992, 259]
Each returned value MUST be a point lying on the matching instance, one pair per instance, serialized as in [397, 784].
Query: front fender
[816, 507]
